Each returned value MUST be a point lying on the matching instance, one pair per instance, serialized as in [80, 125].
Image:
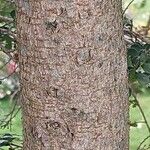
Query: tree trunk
[73, 74]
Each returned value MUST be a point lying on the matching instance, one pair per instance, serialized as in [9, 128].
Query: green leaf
[137, 46]
[129, 62]
[133, 52]
[143, 58]
[143, 4]
[132, 76]
[7, 137]
[13, 14]
[146, 67]
[143, 79]
[136, 62]
[147, 46]
[4, 143]
[8, 41]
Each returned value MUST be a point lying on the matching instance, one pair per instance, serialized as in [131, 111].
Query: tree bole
[73, 74]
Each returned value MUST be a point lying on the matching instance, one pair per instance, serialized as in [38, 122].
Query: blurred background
[136, 20]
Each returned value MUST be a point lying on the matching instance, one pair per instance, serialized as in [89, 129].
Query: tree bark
[73, 74]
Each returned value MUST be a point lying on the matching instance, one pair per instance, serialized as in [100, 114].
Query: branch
[127, 7]
[143, 142]
[141, 110]
[6, 19]
[12, 114]
[142, 113]
[139, 106]
[144, 117]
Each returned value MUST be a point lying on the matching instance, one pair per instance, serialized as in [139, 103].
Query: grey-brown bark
[73, 74]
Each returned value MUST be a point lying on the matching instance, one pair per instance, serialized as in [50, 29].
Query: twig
[138, 36]
[134, 36]
[127, 7]
[139, 106]
[11, 114]
[142, 112]
[7, 122]
[148, 22]
[9, 75]
[143, 142]
[147, 26]
[6, 19]
[5, 64]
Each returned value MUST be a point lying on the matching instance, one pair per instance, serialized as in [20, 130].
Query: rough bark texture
[73, 74]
